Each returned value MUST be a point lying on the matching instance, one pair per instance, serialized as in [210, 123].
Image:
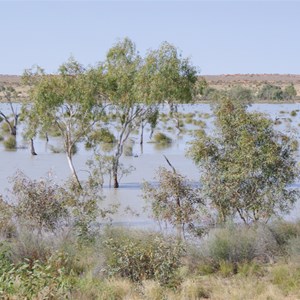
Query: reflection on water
[146, 160]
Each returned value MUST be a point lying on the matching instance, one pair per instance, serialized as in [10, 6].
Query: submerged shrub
[140, 256]
[293, 113]
[10, 143]
[161, 138]
[102, 135]
[5, 127]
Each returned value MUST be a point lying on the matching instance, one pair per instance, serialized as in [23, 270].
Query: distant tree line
[266, 92]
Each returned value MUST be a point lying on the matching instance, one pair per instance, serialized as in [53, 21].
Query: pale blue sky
[221, 37]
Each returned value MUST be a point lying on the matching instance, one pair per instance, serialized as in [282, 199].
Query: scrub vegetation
[222, 237]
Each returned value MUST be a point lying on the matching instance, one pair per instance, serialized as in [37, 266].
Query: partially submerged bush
[5, 127]
[140, 256]
[161, 138]
[10, 143]
[102, 135]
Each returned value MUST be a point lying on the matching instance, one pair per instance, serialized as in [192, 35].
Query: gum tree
[69, 102]
[10, 94]
[136, 85]
[248, 168]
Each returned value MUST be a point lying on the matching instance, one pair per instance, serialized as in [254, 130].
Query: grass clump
[293, 113]
[140, 256]
[10, 143]
[161, 138]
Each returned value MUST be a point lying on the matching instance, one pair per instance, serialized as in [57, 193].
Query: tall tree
[135, 85]
[248, 168]
[69, 101]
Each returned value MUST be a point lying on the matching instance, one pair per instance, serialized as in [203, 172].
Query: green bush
[40, 204]
[102, 135]
[230, 244]
[140, 256]
[238, 244]
[10, 143]
[284, 231]
[5, 127]
[33, 280]
[161, 138]
[293, 113]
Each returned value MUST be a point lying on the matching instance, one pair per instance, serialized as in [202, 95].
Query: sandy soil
[254, 81]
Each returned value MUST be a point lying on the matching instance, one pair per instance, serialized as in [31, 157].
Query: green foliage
[40, 204]
[102, 135]
[174, 201]
[10, 143]
[7, 226]
[270, 92]
[136, 85]
[5, 127]
[287, 277]
[240, 93]
[161, 138]
[165, 75]
[33, 280]
[284, 231]
[247, 168]
[293, 113]
[231, 244]
[141, 256]
[69, 102]
[201, 85]
[290, 92]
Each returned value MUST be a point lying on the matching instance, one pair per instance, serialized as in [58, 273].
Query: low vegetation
[222, 237]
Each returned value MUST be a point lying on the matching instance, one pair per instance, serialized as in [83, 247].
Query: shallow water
[146, 163]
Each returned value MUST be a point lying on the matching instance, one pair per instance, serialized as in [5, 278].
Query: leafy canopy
[248, 168]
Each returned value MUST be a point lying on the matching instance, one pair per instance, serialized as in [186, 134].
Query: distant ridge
[214, 79]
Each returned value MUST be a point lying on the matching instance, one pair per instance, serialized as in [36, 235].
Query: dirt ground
[253, 81]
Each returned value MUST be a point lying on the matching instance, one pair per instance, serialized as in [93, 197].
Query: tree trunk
[116, 183]
[142, 134]
[32, 150]
[115, 171]
[70, 161]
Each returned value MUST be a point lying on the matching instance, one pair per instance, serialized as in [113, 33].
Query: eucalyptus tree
[137, 85]
[69, 101]
[10, 94]
[248, 167]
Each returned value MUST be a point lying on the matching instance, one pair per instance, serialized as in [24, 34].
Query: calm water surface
[146, 163]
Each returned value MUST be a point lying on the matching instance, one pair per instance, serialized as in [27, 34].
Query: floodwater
[146, 162]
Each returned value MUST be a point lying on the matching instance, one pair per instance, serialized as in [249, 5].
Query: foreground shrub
[40, 204]
[7, 226]
[227, 248]
[140, 256]
[33, 280]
